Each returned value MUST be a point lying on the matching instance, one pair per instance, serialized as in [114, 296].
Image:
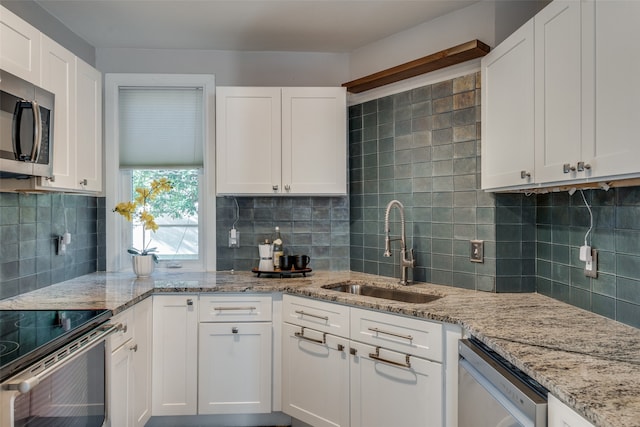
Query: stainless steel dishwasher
[494, 393]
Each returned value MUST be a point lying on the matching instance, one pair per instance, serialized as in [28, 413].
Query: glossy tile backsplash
[314, 226]
[422, 147]
[29, 225]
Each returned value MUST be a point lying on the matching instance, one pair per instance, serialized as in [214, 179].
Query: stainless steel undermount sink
[384, 293]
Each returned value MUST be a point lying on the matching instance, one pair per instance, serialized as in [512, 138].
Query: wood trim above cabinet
[445, 58]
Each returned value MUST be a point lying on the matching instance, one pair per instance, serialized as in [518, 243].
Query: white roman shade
[161, 127]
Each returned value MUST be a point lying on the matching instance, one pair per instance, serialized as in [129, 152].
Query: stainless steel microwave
[26, 128]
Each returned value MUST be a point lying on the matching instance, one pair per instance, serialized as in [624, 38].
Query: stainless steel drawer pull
[234, 308]
[393, 334]
[134, 348]
[302, 313]
[376, 356]
[301, 336]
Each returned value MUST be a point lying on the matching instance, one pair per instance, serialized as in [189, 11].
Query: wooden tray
[282, 273]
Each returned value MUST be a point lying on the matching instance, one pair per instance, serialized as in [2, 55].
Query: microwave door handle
[17, 118]
[37, 130]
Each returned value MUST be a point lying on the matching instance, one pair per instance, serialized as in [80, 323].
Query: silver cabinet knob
[189, 301]
[275, 187]
[134, 348]
[525, 174]
[287, 187]
[234, 330]
[582, 166]
[84, 182]
[566, 168]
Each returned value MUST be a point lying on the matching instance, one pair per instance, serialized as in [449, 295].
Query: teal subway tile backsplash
[29, 224]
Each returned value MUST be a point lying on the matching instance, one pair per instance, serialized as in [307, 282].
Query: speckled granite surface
[589, 362]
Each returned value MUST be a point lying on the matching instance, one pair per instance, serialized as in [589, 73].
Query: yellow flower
[138, 209]
[126, 209]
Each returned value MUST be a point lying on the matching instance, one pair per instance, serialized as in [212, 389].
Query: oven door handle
[57, 360]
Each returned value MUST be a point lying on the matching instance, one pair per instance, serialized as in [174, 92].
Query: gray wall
[29, 226]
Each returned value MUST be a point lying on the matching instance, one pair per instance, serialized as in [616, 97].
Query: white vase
[143, 265]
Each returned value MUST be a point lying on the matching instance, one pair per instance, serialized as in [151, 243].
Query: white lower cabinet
[175, 354]
[378, 374]
[129, 383]
[315, 376]
[560, 415]
[235, 355]
[390, 388]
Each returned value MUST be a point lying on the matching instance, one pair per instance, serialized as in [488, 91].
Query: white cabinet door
[121, 381]
[248, 134]
[234, 368]
[315, 377]
[314, 150]
[59, 77]
[558, 92]
[617, 66]
[281, 141]
[19, 47]
[175, 355]
[141, 367]
[560, 415]
[388, 392]
[508, 112]
[89, 127]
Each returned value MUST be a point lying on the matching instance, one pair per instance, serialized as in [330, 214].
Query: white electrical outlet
[234, 238]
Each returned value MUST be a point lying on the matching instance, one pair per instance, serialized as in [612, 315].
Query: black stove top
[28, 335]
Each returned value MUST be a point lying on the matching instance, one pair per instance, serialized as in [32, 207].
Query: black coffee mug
[300, 261]
[286, 262]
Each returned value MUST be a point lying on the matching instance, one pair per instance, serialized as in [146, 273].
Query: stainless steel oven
[494, 393]
[55, 362]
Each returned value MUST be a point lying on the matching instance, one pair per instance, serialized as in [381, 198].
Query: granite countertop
[589, 362]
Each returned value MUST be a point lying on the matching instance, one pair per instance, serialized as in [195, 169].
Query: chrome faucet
[404, 262]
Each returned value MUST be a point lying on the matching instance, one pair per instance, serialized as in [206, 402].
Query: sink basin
[384, 293]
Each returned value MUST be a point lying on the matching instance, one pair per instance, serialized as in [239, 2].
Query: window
[175, 212]
[156, 127]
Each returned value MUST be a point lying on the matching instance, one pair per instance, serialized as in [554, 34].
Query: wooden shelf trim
[445, 58]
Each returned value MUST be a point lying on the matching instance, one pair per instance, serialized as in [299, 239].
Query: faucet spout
[405, 262]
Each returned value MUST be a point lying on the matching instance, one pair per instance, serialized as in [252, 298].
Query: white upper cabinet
[289, 141]
[559, 117]
[77, 118]
[20, 47]
[59, 77]
[584, 121]
[88, 128]
[508, 112]
[617, 67]
[314, 152]
[248, 140]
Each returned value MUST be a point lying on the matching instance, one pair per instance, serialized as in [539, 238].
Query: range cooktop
[28, 335]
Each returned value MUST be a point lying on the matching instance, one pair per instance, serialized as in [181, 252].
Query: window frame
[118, 182]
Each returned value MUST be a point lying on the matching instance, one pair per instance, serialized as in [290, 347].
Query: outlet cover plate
[593, 272]
[477, 251]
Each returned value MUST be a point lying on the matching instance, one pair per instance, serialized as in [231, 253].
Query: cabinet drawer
[319, 315]
[411, 336]
[235, 308]
[120, 337]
